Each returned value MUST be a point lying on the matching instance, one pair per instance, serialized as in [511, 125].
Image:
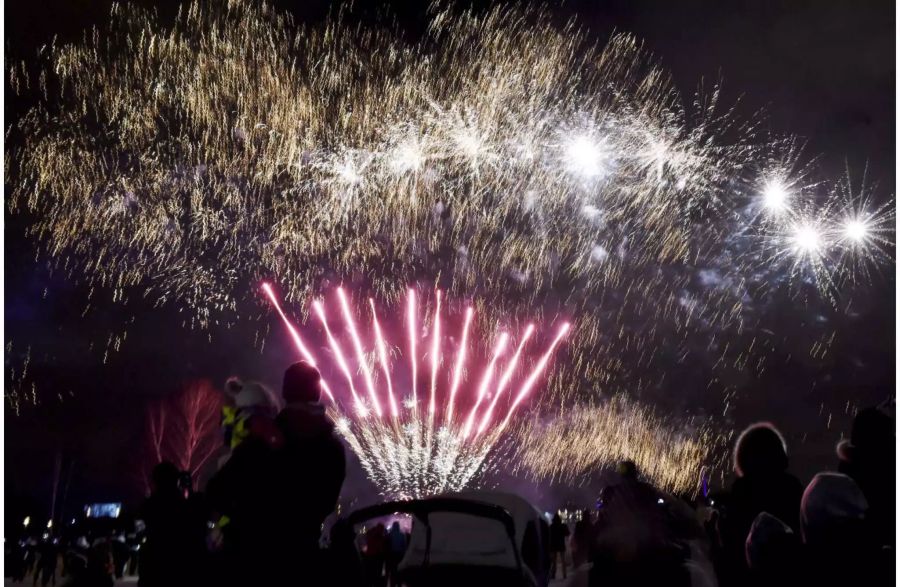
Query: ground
[576, 578]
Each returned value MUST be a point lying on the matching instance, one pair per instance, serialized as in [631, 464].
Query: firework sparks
[535, 374]
[460, 363]
[775, 197]
[383, 358]
[339, 357]
[485, 382]
[435, 352]
[295, 336]
[505, 378]
[830, 241]
[306, 152]
[410, 455]
[360, 354]
[573, 446]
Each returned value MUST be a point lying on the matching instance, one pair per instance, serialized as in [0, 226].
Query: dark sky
[821, 69]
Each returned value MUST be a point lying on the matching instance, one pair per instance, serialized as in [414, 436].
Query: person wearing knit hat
[832, 506]
[763, 484]
[253, 413]
[773, 552]
[840, 547]
[310, 448]
[867, 457]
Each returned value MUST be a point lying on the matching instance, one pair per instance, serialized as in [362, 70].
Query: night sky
[821, 70]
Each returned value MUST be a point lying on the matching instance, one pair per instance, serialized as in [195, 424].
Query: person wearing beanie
[773, 552]
[253, 413]
[238, 494]
[313, 466]
[832, 509]
[840, 548]
[867, 457]
[762, 485]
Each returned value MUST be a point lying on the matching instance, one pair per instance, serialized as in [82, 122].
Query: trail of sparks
[339, 357]
[435, 352]
[360, 354]
[535, 374]
[505, 378]
[485, 382]
[295, 336]
[383, 358]
[460, 362]
[413, 333]
[669, 452]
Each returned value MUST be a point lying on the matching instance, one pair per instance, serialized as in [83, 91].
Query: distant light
[584, 157]
[469, 143]
[599, 254]
[660, 500]
[26, 521]
[775, 196]
[49, 523]
[807, 239]
[591, 212]
[408, 157]
[348, 173]
[856, 230]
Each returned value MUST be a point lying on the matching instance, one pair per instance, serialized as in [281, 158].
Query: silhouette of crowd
[765, 530]
[260, 520]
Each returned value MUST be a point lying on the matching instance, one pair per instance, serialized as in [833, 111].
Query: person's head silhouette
[302, 384]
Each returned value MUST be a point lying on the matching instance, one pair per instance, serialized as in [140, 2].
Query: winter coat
[168, 524]
[875, 476]
[276, 490]
[314, 470]
[558, 534]
[778, 494]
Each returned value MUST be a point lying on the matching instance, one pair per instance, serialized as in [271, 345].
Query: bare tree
[183, 428]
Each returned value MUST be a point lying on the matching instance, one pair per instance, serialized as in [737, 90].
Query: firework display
[501, 158]
[670, 454]
[416, 447]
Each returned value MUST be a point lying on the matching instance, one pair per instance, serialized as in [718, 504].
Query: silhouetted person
[376, 555]
[46, 564]
[313, 464]
[558, 534]
[396, 549]
[581, 539]
[166, 518]
[772, 550]
[633, 541]
[246, 496]
[198, 515]
[762, 485]
[840, 547]
[279, 484]
[89, 567]
[120, 554]
[16, 562]
[868, 458]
